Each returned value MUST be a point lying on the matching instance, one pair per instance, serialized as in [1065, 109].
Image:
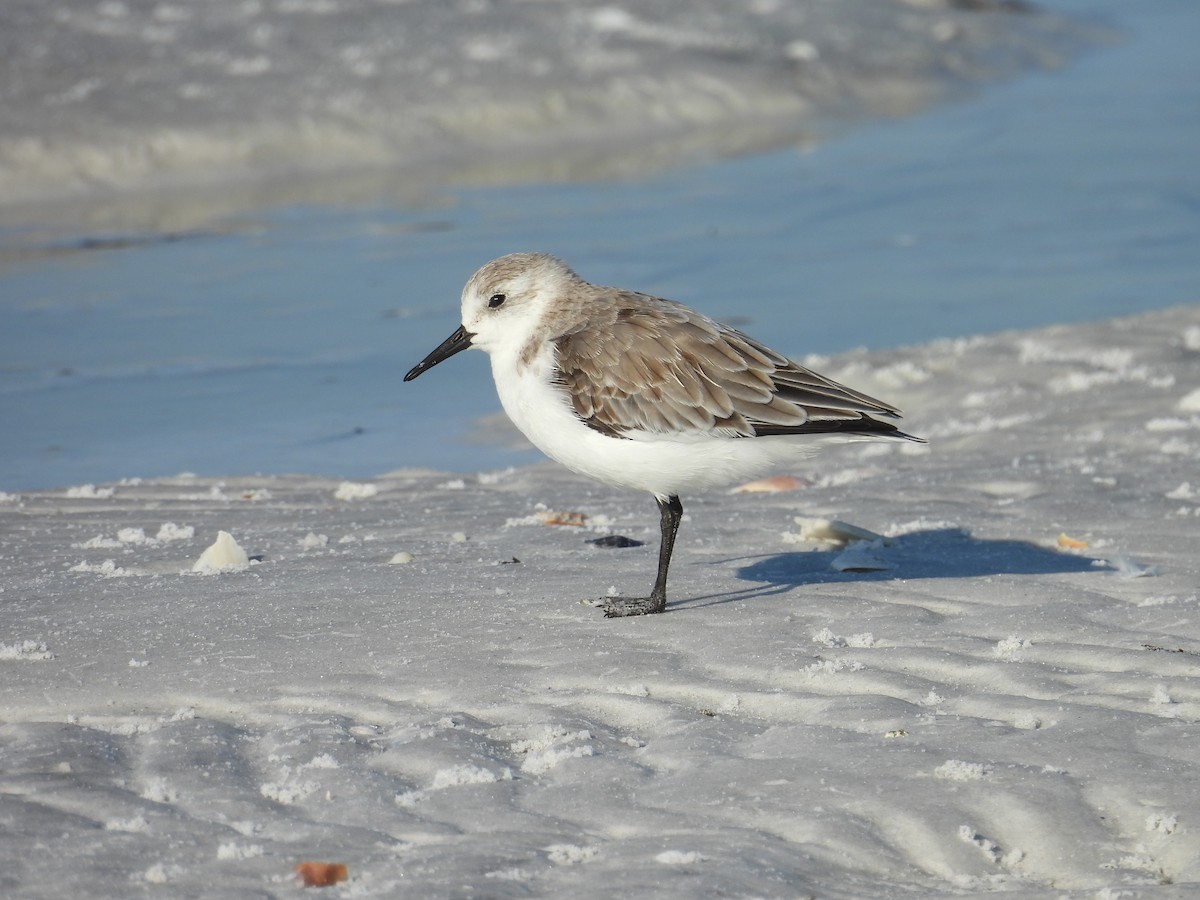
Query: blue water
[277, 343]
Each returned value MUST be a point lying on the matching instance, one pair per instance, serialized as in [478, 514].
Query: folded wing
[654, 367]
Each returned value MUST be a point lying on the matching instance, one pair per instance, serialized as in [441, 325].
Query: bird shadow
[937, 553]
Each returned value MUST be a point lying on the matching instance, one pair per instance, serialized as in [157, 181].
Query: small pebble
[611, 541]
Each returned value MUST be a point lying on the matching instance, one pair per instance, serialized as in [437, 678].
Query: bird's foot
[619, 607]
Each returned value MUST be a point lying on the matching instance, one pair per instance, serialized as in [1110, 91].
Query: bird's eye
[496, 300]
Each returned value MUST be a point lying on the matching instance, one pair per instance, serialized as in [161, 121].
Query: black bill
[456, 343]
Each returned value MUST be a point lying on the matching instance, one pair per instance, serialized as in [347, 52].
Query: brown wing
[654, 366]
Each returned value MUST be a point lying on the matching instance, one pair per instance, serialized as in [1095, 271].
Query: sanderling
[644, 393]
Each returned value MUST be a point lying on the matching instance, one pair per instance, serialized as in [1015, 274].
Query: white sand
[987, 713]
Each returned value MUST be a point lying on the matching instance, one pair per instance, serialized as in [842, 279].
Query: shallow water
[276, 342]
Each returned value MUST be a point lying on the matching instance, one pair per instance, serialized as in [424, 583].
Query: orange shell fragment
[574, 519]
[1070, 543]
[772, 485]
[320, 874]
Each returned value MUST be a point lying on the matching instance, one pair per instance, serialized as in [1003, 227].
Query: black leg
[670, 512]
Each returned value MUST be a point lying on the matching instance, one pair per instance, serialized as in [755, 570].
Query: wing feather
[646, 366]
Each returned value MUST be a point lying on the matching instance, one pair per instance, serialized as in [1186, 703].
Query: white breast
[658, 464]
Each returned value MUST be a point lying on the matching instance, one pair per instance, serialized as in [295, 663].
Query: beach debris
[773, 485]
[1127, 568]
[1070, 543]
[137, 537]
[402, 558]
[25, 650]
[615, 541]
[313, 541]
[1190, 402]
[1154, 647]
[679, 858]
[864, 549]
[172, 532]
[320, 874]
[351, 490]
[826, 638]
[834, 531]
[223, 555]
[861, 556]
[106, 569]
[570, 854]
[573, 519]
[1185, 491]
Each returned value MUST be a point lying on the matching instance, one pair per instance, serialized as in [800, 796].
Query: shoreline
[899, 374]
